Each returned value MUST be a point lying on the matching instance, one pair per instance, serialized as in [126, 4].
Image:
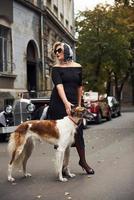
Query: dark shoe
[88, 169]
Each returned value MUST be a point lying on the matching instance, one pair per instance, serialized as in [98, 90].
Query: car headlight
[30, 107]
[8, 109]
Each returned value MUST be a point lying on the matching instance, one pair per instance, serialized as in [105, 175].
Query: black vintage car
[23, 109]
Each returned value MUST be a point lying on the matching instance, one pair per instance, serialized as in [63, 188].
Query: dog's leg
[26, 174]
[59, 163]
[16, 161]
[10, 167]
[27, 152]
[65, 169]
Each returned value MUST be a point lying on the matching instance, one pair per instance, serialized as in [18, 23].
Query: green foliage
[125, 2]
[103, 46]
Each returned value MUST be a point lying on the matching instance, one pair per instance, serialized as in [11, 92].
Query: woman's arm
[79, 95]
[62, 95]
[56, 77]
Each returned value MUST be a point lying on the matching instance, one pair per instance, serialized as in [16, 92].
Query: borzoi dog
[57, 132]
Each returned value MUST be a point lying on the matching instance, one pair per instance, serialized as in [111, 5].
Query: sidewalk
[127, 108]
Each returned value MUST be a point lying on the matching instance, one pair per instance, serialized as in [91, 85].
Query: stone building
[28, 29]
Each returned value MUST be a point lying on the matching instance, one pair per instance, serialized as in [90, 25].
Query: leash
[71, 118]
[77, 124]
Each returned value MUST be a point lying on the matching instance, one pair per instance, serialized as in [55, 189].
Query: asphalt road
[110, 151]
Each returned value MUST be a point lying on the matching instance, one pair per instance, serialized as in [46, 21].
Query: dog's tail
[11, 144]
[18, 146]
[15, 149]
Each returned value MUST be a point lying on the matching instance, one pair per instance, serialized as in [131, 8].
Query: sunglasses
[58, 50]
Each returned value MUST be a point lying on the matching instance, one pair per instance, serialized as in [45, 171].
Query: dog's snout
[87, 114]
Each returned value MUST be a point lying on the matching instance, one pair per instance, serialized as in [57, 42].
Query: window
[49, 3]
[67, 23]
[61, 17]
[5, 49]
[71, 29]
[56, 10]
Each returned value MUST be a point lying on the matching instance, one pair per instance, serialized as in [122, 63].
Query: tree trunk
[108, 88]
[119, 87]
[132, 83]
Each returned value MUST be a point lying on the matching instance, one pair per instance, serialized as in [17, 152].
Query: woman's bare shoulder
[56, 65]
[75, 64]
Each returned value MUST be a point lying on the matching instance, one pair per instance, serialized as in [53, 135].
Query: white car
[114, 106]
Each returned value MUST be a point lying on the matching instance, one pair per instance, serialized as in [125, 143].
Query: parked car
[114, 106]
[22, 110]
[98, 106]
[6, 120]
[89, 117]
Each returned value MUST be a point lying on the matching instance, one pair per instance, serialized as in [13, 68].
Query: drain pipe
[42, 44]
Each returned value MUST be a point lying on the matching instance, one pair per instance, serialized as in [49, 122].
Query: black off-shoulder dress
[71, 78]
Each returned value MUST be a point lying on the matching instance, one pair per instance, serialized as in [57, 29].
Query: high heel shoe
[88, 169]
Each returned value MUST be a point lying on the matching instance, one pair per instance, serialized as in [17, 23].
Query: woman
[67, 91]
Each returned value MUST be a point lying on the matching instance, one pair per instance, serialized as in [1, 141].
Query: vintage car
[98, 106]
[114, 106]
[23, 109]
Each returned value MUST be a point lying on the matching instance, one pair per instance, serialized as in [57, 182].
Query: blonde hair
[56, 44]
[68, 53]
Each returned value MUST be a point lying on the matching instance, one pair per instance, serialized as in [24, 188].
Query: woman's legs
[80, 146]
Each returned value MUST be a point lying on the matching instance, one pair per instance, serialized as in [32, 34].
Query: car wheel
[84, 123]
[118, 113]
[98, 119]
[109, 117]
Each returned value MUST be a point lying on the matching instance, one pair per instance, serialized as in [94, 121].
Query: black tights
[79, 137]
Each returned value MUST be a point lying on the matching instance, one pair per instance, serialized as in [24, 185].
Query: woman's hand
[68, 107]
[62, 94]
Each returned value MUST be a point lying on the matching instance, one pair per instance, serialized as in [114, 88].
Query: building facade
[28, 29]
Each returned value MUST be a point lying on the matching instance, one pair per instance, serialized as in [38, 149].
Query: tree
[129, 9]
[125, 2]
[91, 44]
[103, 46]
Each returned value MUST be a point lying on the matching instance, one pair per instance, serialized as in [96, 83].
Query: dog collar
[77, 124]
[72, 120]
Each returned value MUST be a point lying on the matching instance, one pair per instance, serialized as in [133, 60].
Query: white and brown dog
[57, 132]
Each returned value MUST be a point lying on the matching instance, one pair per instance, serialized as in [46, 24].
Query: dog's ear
[73, 110]
[76, 110]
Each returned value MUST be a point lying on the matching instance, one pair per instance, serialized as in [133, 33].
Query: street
[110, 152]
